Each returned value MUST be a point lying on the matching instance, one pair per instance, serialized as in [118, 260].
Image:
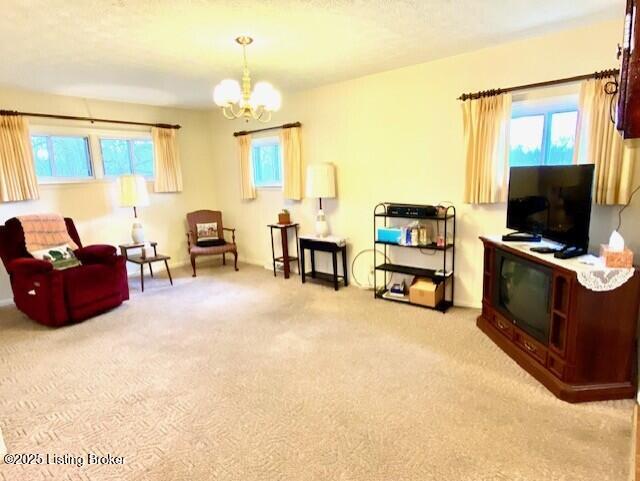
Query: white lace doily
[604, 280]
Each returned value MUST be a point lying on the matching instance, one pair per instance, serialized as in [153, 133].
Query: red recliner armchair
[57, 298]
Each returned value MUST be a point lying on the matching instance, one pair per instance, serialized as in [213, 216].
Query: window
[61, 156]
[66, 154]
[544, 135]
[266, 158]
[127, 156]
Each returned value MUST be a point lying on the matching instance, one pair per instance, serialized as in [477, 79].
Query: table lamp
[133, 193]
[321, 183]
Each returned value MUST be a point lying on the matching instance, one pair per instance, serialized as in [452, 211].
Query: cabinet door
[487, 275]
[560, 302]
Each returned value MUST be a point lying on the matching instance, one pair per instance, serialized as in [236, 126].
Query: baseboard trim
[6, 302]
[184, 263]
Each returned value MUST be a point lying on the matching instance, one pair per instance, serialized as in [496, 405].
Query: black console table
[324, 245]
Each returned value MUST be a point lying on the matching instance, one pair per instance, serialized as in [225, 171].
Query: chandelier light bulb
[227, 92]
[274, 101]
[260, 95]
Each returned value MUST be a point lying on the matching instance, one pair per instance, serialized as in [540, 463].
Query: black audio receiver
[404, 210]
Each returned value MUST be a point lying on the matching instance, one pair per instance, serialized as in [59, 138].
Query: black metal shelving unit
[448, 221]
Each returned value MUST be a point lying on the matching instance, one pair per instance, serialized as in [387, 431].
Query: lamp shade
[321, 180]
[133, 191]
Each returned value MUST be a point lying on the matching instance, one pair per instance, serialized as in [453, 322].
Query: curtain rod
[284, 126]
[548, 83]
[88, 119]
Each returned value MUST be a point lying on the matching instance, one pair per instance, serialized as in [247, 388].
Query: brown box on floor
[424, 292]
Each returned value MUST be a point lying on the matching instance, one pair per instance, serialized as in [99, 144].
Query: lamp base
[137, 233]
[322, 227]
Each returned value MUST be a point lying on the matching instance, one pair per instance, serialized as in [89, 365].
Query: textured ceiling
[172, 52]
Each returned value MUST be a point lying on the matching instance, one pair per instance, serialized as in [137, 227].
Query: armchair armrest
[29, 266]
[96, 254]
[233, 234]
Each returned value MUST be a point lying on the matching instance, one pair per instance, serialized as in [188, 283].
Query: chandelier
[240, 102]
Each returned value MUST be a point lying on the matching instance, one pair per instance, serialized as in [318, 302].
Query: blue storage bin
[389, 234]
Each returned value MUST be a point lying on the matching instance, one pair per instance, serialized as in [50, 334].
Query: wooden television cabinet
[590, 353]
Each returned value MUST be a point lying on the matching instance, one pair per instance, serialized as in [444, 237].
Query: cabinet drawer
[531, 347]
[504, 326]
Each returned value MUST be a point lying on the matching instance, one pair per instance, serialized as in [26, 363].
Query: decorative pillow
[207, 232]
[62, 257]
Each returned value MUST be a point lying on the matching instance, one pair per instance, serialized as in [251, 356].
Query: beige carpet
[240, 376]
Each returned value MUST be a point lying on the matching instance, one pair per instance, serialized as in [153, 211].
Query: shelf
[429, 247]
[446, 214]
[281, 259]
[442, 306]
[426, 217]
[387, 295]
[413, 271]
[321, 277]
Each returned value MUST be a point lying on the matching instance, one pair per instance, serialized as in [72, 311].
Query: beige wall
[394, 136]
[93, 204]
[397, 136]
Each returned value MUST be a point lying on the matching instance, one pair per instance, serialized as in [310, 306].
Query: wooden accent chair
[205, 217]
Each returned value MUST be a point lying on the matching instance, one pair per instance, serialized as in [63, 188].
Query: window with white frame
[127, 156]
[543, 132]
[62, 157]
[266, 159]
[80, 154]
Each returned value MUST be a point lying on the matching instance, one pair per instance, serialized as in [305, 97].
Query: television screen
[524, 295]
[553, 201]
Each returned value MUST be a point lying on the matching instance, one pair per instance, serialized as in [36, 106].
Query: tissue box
[284, 218]
[616, 259]
[389, 235]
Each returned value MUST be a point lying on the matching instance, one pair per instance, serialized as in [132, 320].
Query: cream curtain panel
[168, 173]
[247, 190]
[486, 139]
[17, 171]
[598, 142]
[292, 163]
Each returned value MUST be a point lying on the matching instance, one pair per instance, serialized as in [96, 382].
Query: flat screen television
[522, 293]
[553, 201]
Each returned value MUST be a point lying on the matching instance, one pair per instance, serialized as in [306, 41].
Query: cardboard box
[616, 259]
[425, 292]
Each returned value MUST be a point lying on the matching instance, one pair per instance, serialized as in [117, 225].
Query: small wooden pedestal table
[331, 244]
[286, 259]
[141, 260]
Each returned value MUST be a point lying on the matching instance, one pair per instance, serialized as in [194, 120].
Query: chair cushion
[199, 251]
[210, 242]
